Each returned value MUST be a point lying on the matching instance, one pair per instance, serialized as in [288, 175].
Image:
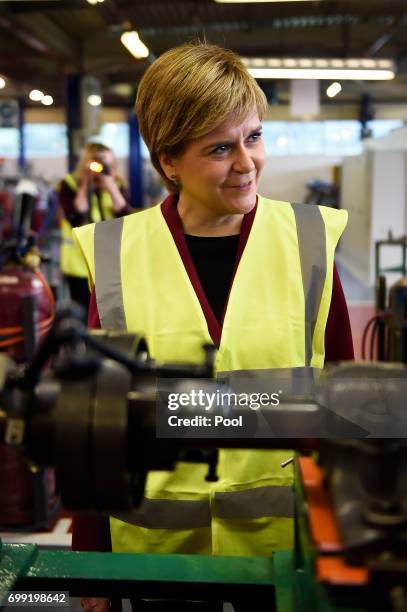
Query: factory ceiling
[43, 40]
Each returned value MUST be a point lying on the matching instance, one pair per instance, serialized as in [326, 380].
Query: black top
[214, 260]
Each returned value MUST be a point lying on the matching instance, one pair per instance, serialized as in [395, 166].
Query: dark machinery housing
[359, 483]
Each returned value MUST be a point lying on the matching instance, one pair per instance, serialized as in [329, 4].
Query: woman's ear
[167, 164]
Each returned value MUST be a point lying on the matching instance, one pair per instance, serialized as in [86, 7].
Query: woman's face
[219, 172]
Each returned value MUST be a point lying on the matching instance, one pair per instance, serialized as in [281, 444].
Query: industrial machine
[386, 330]
[322, 192]
[92, 414]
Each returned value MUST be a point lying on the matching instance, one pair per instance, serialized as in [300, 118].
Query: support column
[73, 115]
[135, 163]
[22, 160]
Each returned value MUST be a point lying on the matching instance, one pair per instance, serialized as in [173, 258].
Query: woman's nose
[243, 162]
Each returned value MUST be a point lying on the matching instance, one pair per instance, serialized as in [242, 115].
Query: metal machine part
[92, 416]
[369, 395]
[367, 482]
[397, 323]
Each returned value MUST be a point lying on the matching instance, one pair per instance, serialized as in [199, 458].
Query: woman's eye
[256, 136]
[221, 149]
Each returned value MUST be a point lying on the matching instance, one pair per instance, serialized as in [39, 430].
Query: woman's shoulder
[266, 203]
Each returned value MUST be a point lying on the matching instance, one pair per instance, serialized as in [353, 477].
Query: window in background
[306, 138]
[45, 140]
[117, 137]
[276, 137]
[9, 143]
[320, 137]
[381, 127]
[342, 138]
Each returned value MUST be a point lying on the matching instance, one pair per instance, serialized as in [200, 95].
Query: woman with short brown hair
[217, 263]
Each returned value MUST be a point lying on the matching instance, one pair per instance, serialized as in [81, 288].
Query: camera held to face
[98, 166]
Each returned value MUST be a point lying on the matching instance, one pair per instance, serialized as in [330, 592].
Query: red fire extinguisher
[27, 308]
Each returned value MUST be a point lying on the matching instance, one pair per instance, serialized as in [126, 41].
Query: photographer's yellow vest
[275, 319]
[72, 262]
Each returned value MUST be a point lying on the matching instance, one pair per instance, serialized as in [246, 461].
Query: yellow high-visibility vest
[275, 319]
[71, 259]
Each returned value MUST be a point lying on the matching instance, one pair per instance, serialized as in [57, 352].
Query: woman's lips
[246, 186]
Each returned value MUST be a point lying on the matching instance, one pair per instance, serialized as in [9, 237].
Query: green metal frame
[286, 581]
[402, 242]
[25, 567]
[299, 575]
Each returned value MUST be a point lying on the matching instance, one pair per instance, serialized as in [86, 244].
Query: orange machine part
[335, 571]
[321, 520]
[324, 532]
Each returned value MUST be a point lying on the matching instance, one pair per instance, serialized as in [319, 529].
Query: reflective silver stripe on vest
[169, 514]
[277, 501]
[312, 245]
[108, 282]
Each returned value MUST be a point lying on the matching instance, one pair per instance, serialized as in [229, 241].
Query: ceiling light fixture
[320, 68]
[47, 100]
[36, 95]
[134, 45]
[2, 83]
[94, 100]
[333, 89]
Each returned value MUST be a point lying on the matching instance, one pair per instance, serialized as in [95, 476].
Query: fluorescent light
[333, 89]
[36, 95]
[94, 2]
[134, 45]
[94, 100]
[320, 68]
[47, 100]
[320, 73]
[2, 83]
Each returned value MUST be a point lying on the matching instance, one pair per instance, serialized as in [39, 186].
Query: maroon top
[91, 532]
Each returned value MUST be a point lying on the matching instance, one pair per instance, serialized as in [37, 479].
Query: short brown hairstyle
[187, 92]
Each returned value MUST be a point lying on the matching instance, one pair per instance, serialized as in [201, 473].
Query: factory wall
[374, 191]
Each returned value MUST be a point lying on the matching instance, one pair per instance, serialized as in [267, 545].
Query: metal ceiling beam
[31, 41]
[43, 5]
[55, 38]
[389, 33]
[100, 67]
[286, 23]
[112, 12]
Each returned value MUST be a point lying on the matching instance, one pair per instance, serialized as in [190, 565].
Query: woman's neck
[196, 222]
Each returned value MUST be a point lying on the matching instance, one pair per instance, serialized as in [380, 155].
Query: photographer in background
[92, 192]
